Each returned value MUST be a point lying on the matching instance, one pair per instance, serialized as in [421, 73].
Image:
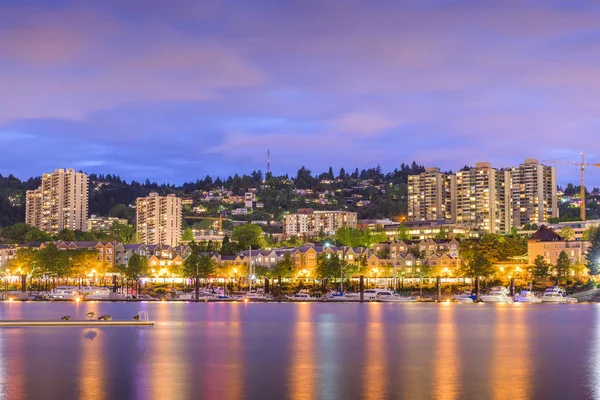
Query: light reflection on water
[305, 351]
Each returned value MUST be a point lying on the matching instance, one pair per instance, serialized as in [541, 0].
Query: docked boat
[465, 297]
[301, 296]
[342, 296]
[556, 295]
[64, 293]
[258, 294]
[391, 297]
[527, 296]
[497, 294]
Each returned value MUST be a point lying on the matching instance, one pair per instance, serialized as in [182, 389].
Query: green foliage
[329, 266]
[137, 266]
[593, 253]
[198, 262]
[284, 267]
[477, 265]
[567, 233]
[353, 237]
[563, 265]
[248, 235]
[22, 233]
[541, 269]
[228, 248]
[54, 262]
[403, 233]
[123, 233]
[187, 235]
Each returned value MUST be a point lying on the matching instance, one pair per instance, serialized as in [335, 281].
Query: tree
[567, 233]
[25, 262]
[123, 233]
[248, 235]
[66, 235]
[188, 235]
[53, 262]
[563, 265]
[198, 262]
[541, 268]
[137, 267]
[284, 267]
[593, 254]
[329, 266]
[478, 265]
[403, 232]
[228, 248]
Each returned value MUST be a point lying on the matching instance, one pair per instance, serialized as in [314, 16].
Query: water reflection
[447, 362]
[376, 366]
[511, 362]
[92, 382]
[302, 373]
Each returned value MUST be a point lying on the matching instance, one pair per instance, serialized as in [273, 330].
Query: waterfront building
[7, 253]
[533, 193]
[307, 222]
[547, 243]
[61, 202]
[483, 198]
[431, 196]
[159, 219]
[95, 223]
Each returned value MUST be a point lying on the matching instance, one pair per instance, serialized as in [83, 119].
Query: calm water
[303, 351]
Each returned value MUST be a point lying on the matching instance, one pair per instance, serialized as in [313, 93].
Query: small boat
[301, 296]
[257, 294]
[64, 293]
[527, 296]
[497, 294]
[557, 295]
[391, 297]
[464, 297]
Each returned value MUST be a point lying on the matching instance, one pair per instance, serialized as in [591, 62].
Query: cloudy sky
[175, 90]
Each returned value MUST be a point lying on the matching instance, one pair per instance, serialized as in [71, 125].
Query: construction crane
[581, 166]
[219, 218]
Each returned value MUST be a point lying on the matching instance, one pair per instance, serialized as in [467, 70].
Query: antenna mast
[268, 161]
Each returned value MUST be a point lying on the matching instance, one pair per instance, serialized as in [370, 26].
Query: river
[305, 351]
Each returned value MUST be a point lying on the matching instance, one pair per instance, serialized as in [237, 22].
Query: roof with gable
[545, 234]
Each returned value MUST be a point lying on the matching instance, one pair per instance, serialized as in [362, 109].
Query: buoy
[66, 318]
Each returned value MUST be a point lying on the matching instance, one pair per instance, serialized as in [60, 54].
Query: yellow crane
[581, 166]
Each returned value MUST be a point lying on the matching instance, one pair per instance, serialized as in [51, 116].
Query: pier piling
[512, 287]
[361, 287]
[477, 286]
[438, 288]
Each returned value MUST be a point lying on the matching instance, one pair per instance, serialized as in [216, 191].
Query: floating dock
[86, 323]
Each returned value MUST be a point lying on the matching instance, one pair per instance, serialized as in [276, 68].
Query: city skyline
[177, 93]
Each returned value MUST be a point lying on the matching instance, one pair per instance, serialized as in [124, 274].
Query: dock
[80, 323]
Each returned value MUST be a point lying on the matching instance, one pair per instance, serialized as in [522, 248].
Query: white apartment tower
[431, 196]
[159, 219]
[482, 198]
[60, 202]
[533, 193]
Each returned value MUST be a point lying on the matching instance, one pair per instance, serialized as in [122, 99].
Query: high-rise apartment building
[307, 222]
[159, 219]
[533, 193]
[489, 199]
[431, 196]
[482, 198]
[61, 202]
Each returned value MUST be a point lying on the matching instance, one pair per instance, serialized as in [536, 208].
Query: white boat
[465, 297]
[497, 295]
[391, 297]
[527, 296]
[258, 294]
[64, 293]
[557, 295]
[301, 296]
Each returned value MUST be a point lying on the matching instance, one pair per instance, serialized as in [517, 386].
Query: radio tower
[268, 161]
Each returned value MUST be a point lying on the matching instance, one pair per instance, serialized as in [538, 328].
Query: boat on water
[391, 297]
[464, 297]
[301, 296]
[557, 295]
[497, 294]
[64, 293]
[257, 294]
[527, 296]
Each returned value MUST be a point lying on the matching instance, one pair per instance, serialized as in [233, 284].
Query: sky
[177, 90]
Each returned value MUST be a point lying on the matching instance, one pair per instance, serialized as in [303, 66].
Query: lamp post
[342, 269]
